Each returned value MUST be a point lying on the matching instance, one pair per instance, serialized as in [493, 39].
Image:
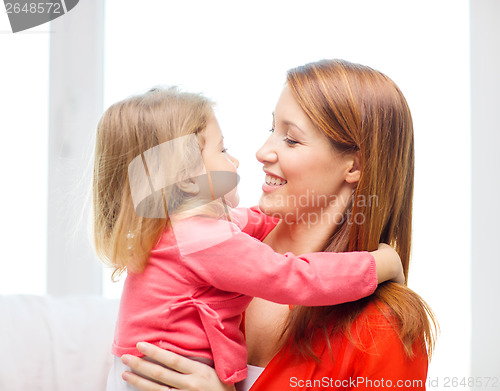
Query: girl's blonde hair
[123, 239]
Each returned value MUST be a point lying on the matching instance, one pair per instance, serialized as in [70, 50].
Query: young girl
[193, 267]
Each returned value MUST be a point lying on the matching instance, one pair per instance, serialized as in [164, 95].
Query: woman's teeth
[273, 181]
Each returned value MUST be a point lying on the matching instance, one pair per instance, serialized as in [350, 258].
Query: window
[23, 160]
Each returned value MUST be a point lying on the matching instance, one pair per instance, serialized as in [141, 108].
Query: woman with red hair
[341, 144]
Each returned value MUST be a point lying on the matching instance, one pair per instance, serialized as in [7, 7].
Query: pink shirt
[190, 300]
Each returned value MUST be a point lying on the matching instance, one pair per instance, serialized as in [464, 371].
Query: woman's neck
[313, 230]
[299, 238]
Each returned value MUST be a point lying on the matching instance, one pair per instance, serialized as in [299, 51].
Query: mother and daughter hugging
[222, 298]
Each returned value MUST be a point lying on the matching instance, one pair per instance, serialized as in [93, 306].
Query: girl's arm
[258, 225]
[253, 222]
[185, 374]
[245, 265]
[388, 264]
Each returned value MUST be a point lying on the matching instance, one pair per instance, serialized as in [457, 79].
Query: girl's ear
[354, 172]
[189, 186]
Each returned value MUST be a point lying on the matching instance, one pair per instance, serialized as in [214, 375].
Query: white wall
[24, 71]
[485, 132]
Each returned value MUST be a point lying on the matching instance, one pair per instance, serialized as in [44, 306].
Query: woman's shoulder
[371, 352]
[375, 327]
[375, 341]
[376, 313]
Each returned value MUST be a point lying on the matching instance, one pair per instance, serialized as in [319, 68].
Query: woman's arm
[185, 374]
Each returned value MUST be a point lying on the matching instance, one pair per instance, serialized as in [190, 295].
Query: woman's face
[305, 175]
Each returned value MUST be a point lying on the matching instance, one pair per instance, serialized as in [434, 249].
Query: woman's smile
[272, 182]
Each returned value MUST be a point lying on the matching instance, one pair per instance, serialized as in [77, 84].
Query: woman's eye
[224, 150]
[271, 130]
[289, 141]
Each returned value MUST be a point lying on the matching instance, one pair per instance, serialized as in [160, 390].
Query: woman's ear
[354, 172]
[189, 186]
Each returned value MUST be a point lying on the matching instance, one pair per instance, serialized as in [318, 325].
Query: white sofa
[55, 343]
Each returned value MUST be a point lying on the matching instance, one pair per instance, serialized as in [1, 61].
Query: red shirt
[379, 363]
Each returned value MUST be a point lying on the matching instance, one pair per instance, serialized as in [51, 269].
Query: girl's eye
[289, 141]
[271, 130]
[224, 150]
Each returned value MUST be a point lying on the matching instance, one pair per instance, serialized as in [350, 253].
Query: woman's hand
[388, 263]
[181, 374]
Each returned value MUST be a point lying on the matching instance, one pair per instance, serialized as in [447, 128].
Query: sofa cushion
[55, 343]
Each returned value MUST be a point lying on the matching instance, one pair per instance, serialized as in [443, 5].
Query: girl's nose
[233, 160]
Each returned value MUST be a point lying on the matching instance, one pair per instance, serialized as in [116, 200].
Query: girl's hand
[181, 374]
[389, 266]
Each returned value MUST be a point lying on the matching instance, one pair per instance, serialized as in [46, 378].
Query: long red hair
[360, 109]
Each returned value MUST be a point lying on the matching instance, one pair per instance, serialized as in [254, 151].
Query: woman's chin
[263, 206]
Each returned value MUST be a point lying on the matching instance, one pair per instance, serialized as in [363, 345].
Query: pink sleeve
[253, 222]
[243, 264]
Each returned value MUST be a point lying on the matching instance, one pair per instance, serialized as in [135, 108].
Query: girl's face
[216, 158]
[305, 176]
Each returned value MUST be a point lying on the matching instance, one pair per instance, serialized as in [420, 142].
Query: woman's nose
[267, 153]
